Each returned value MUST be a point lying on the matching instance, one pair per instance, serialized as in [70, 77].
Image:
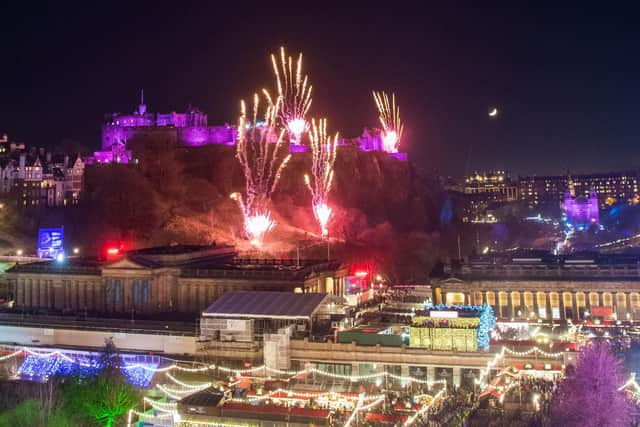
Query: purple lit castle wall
[582, 211]
[370, 140]
[191, 129]
[118, 153]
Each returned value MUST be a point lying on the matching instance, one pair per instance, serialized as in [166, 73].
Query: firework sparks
[259, 151]
[323, 152]
[392, 126]
[294, 92]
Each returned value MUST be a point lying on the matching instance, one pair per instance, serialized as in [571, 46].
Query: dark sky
[567, 80]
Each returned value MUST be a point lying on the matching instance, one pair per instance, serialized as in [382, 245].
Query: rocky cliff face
[381, 206]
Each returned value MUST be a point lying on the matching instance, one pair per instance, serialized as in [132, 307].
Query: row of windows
[114, 291]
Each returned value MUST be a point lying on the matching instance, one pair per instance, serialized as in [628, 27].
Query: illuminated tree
[589, 394]
[104, 397]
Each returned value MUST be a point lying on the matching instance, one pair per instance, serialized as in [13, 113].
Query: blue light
[41, 368]
[60, 257]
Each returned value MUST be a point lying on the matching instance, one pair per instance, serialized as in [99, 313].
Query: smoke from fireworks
[392, 126]
[294, 92]
[259, 151]
[323, 152]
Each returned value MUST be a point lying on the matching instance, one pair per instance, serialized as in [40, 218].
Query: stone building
[547, 287]
[174, 279]
[39, 178]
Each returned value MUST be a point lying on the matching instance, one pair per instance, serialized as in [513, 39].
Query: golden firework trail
[259, 151]
[323, 156]
[294, 92]
[392, 126]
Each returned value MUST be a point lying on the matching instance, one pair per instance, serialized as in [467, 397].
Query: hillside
[382, 207]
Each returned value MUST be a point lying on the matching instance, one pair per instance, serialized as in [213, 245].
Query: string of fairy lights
[364, 402]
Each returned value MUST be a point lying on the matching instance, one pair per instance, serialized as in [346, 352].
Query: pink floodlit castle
[189, 129]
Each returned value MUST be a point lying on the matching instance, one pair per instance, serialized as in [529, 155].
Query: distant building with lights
[532, 285]
[38, 178]
[483, 189]
[610, 188]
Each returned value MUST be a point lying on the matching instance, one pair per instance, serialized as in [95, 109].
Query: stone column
[601, 299]
[431, 373]
[20, 292]
[535, 303]
[457, 373]
[404, 370]
[27, 292]
[563, 314]
[66, 292]
[44, 293]
[576, 309]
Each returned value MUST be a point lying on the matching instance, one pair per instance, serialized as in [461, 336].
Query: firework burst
[323, 152]
[392, 126]
[259, 151]
[294, 92]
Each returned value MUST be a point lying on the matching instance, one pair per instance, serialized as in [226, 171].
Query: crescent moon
[494, 112]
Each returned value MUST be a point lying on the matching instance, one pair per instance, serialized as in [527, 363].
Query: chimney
[66, 161]
[49, 157]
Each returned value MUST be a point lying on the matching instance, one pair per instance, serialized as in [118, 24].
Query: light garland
[534, 350]
[158, 406]
[168, 393]
[177, 391]
[9, 356]
[422, 410]
[200, 386]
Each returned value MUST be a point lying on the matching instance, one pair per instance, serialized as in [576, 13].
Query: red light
[113, 251]
[361, 273]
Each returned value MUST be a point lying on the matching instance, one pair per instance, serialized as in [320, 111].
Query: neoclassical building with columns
[544, 286]
[174, 279]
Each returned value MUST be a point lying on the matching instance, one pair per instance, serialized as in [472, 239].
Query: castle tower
[570, 185]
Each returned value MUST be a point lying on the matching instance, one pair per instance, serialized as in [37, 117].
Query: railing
[100, 324]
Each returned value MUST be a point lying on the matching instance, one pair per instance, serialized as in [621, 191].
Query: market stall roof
[284, 305]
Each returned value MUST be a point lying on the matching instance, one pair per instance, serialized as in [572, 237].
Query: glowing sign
[50, 242]
[361, 273]
[442, 314]
[113, 251]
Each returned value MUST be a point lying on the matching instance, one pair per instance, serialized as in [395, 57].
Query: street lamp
[76, 251]
[19, 252]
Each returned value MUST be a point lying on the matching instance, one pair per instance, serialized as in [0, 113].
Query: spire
[570, 186]
[142, 109]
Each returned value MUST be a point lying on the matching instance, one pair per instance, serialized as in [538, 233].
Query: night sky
[567, 80]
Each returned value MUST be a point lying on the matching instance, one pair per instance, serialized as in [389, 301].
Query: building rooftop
[209, 397]
[537, 265]
[193, 261]
[266, 304]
